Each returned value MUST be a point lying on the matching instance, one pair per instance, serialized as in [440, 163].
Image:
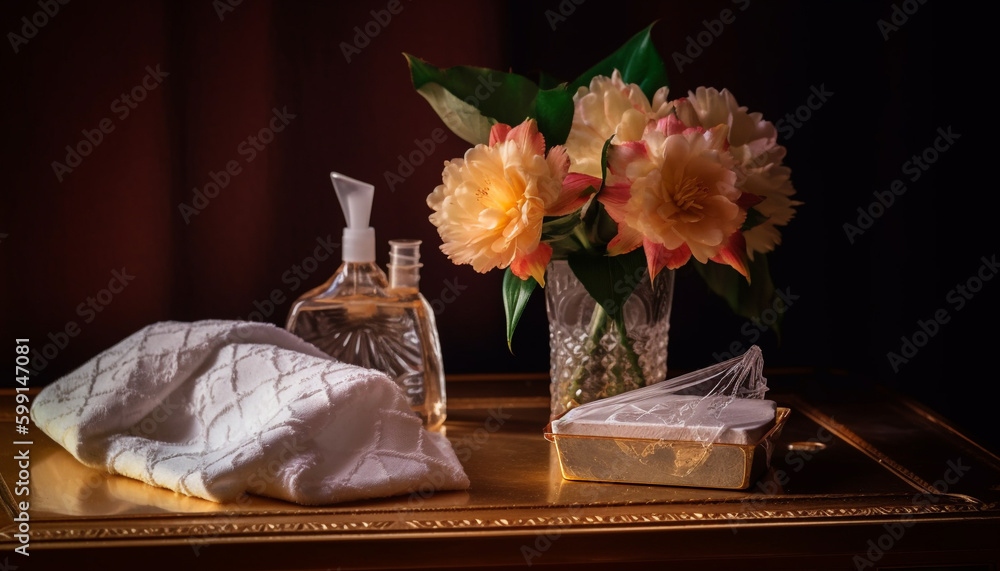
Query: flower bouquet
[606, 181]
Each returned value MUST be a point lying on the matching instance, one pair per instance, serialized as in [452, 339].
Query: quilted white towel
[214, 409]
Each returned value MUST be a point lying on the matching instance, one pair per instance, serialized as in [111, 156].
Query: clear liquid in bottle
[360, 317]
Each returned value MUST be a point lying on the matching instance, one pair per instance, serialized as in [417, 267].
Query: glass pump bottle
[360, 317]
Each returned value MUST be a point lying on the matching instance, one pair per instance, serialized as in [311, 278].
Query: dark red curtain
[169, 160]
[208, 190]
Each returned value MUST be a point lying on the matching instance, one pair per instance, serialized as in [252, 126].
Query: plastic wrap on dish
[708, 428]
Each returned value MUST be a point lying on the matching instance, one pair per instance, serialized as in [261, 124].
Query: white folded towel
[214, 409]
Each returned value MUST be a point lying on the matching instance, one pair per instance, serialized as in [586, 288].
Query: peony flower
[490, 207]
[753, 144]
[772, 183]
[609, 107]
[674, 194]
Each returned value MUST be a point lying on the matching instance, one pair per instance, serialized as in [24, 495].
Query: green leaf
[604, 161]
[610, 280]
[637, 60]
[463, 119]
[516, 293]
[599, 227]
[556, 228]
[499, 97]
[548, 81]
[563, 248]
[754, 218]
[746, 300]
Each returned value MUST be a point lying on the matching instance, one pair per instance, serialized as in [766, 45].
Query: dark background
[228, 71]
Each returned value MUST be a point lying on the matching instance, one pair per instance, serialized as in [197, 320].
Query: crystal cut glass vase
[590, 358]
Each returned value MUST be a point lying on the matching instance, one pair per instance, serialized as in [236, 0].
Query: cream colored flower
[489, 209]
[758, 156]
[609, 107]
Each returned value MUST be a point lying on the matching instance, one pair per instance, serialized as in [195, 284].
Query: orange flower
[674, 194]
[490, 207]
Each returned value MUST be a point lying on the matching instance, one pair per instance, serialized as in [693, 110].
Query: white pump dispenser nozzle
[356, 201]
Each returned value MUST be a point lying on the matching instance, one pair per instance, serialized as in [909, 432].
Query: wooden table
[889, 484]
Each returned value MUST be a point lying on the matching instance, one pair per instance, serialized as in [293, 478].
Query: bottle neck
[404, 264]
[404, 276]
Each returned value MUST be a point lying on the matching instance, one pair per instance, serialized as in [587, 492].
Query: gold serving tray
[875, 460]
[666, 462]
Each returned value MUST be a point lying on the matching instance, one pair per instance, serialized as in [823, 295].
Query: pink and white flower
[765, 183]
[608, 107]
